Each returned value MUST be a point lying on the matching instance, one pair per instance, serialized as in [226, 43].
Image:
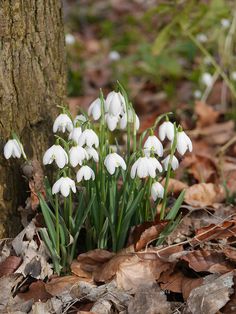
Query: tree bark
[32, 84]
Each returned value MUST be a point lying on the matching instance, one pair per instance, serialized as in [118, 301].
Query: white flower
[183, 143]
[225, 23]
[233, 76]
[70, 39]
[92, 153]
[131, 115]
[111, 121]
[207, 79]
[144, 167]
[57, 153]
[167, 129]
[85, 173]
[152, 143]
[174, 163]
[89, 138]
[115, 103]
[202, 38]
[157, 191]
[114, 56]
[64, 185]
[197, 94]
[77, 155]
[62, 123]
[113, 161]
[95, 109]
[80, 118]
[75, 134]
[12, 149]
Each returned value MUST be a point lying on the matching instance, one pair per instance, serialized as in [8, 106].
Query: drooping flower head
[157, 191]
[64, 185]
[145, 167]
[77, 155]
[57, 153]
[12, 149]
[152, 143]
[62, 123]
[183, 143]
[85, 173]
[174, 163]
[89, 138]
[167, 129]
[113, 161]
[95, 109]
[75, 134]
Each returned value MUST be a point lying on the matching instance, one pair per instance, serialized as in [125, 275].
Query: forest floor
[194, 271]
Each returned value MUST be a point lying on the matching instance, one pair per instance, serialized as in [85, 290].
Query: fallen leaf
[206, 114]
[147, 232]
[212, 295]
[175, 186]
[149, 299]
[78, 271]
[9, 265]
[36, 291]
[204, 194]
[207, 260]
[230, 252]
[91, 260]
[59, 285]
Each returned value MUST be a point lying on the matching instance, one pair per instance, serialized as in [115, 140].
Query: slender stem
[213, 62]
[70, 212]
[57, 225]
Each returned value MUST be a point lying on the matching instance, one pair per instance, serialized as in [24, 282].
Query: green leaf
[175, 209]
[162, 39]
[48, 220]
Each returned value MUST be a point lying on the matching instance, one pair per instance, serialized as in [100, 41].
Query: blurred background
[168, 54]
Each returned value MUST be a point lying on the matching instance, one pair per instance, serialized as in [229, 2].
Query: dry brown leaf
[36, 291]
[58, 285]
[202, 167]
[207, 260]
[91, 260]
[204, 194]
[147, 232]
[210, 297]
[9, 265]
[76, 270]
[230, 252]
[149, 299]
[224, 230]
[206, 114]
[175, 186]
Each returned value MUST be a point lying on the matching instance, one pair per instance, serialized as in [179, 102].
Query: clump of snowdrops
[101, 186]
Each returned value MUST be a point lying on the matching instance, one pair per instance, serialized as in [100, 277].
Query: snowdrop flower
[80, 118]
[202, 38]
[197, 94]
[12, 149]
[152, 143]
[114, 56]
[75, 134]
[174, 163]
[183, 143]
[89, 138]
[167, 129]
[85, 173]
[70, 39]
[144, 167]
[111, 121]
[92, 153]
[207, 79]
[64, 185]
[77, 155]
[131, 115]
[225, 23]
[95, 109]
[57, 153]
[157, 191]
[233, 76]
[113, 161]
[115, 103]
[62, 123]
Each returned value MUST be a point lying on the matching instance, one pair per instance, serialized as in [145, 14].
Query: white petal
[65, 188]
[123, 122]
[92, 153]
[112, 122]
[8, 149]
[110, 164]
[56, 186]
[134, 168]
[47, 158]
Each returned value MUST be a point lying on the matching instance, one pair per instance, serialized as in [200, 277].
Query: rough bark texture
[32, 83]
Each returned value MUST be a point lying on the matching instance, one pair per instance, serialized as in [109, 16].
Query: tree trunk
[32, 84]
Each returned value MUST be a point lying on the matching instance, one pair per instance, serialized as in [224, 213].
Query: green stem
[57, 225]
[213, 62]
